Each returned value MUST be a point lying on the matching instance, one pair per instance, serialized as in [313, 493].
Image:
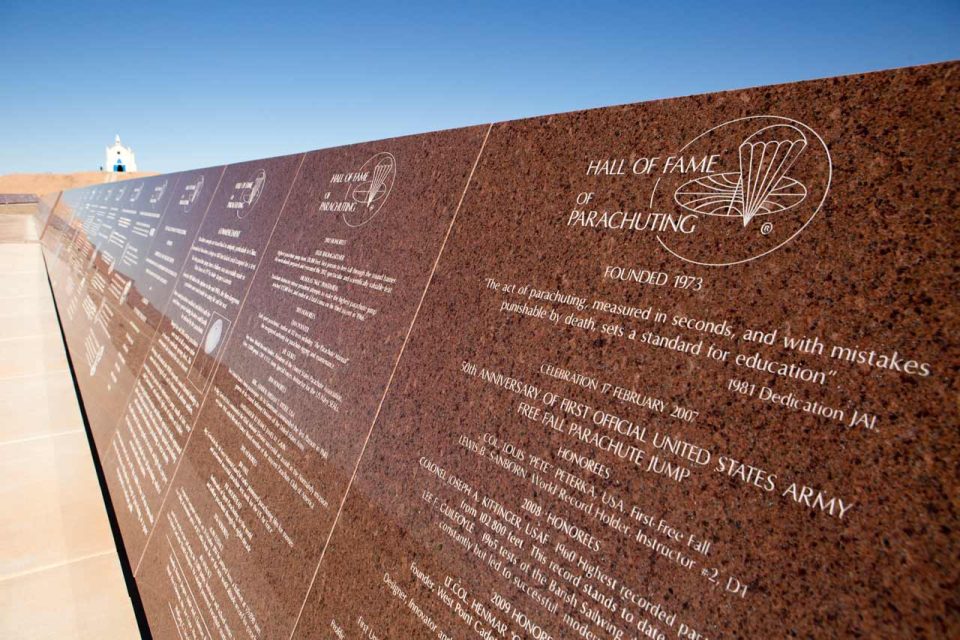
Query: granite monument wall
[679, 369]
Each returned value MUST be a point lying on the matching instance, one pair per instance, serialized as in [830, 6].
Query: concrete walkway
[60, 575]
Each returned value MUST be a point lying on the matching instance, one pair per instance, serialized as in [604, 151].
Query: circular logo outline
[251, 196]
[790, 239]
[391, 176]
[194, 194]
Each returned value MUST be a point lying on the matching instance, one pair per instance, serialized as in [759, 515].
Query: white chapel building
[119, 157]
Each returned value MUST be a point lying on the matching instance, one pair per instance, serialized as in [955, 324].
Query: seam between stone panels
[186, 581]
[386, 390]
[163, 312]
[216, 369]
[112, 444]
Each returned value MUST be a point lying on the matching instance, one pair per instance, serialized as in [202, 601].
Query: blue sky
[192, 84]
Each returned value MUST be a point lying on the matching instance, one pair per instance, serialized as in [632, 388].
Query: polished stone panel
[45, 205]
[582, 438]
[302, 378]
[134, 276]
[679, 369]
[208, 292]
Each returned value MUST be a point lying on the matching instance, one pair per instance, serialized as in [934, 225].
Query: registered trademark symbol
[766, 228]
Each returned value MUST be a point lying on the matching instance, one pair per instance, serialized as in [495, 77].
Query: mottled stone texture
[686, 367]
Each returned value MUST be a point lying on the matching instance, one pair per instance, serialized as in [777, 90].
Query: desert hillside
[47, 182]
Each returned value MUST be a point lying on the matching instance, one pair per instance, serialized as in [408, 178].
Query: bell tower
[119, 158]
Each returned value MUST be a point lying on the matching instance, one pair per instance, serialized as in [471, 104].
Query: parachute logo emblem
[158, 192]
[373, 189]
[190, 194]
[773, 177]
[371, 193]
[761, 187]
[246, 194]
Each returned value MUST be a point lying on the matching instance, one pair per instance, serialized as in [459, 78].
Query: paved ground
[60, 576]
